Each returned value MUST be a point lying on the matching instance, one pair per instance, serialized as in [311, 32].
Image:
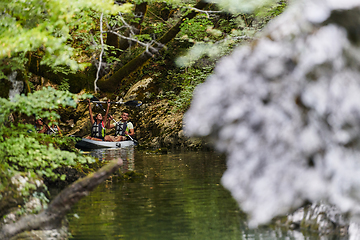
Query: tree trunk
[52, 217]
[113, 40]
[110, 84]
[77, 81]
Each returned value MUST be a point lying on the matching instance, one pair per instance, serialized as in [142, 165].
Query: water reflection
[179, 196]
[126, 154]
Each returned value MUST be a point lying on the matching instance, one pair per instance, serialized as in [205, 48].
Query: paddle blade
[96, 100]
[133, 103]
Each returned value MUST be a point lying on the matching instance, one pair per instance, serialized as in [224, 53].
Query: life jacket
[120, 128]
[98, 130]
[52, 130]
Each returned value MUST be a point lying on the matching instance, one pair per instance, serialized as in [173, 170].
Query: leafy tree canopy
[33, 24]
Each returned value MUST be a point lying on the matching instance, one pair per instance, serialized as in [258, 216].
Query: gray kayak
[87, 144]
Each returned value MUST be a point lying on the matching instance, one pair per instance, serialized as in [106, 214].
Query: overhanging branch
[51, 217]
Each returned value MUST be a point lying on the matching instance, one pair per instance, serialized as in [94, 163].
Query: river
[175, 195]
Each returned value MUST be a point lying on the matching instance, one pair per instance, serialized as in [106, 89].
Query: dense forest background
[76, 47]
[55, 54]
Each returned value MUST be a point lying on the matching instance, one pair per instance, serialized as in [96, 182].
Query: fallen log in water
[51, 218]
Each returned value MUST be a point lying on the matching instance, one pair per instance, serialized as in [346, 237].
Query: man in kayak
[98, 126]
[123, 128]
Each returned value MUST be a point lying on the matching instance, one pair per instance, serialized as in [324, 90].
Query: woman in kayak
[98, 126]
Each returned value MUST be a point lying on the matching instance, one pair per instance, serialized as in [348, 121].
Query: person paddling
[54, 129]
[98, 126]
[42, 127]
[123, 128]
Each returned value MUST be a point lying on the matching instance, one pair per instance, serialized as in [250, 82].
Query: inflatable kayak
[87, 144]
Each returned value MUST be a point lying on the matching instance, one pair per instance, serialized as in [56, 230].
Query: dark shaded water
[176, 196]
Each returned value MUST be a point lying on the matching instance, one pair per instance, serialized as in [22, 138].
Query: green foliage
[8, 65]
[172, 2]
[243, 6]
[199, 50]
[143, 37]
[64, 85]
[187, 82]
[196, 28]
[30, 153]
[4, 180]
[159, 28]
[273, 11]
[111, 59]
[35, 103]
[228, 25]
[33, 24]
[22, 148]
[217, 42]
[82, 30]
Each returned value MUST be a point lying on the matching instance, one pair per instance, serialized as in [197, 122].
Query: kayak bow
[87, 144]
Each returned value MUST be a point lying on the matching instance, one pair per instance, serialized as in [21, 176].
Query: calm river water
[176, 196]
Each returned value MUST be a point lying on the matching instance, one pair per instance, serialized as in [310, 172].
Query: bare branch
[148, 45]
[127, 25]
[102, 52]
[204, 11]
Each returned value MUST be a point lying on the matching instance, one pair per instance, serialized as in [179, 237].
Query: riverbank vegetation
[52, 53]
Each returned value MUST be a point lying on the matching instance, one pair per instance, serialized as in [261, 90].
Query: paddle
[135, 142]
[95, 100]
[131, 103]
[47, 126]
